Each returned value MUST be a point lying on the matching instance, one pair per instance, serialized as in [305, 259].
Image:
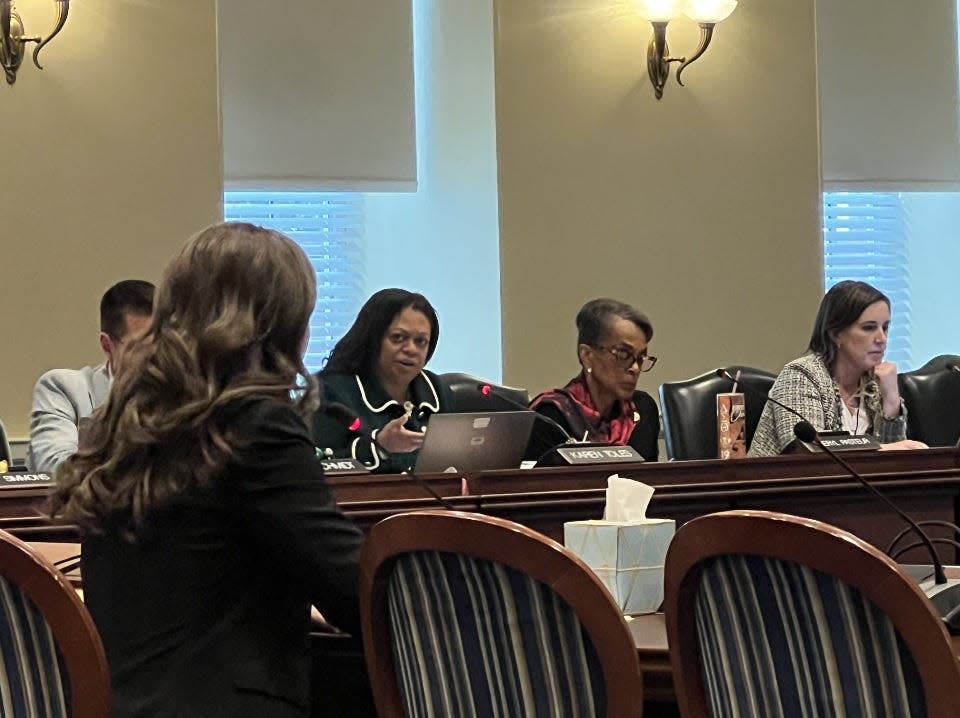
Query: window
[866, 237]
[330, 228]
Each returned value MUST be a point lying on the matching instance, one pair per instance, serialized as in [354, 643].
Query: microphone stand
[944, 593]
[488, 390]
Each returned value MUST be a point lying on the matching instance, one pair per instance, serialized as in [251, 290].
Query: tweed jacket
[806, 386]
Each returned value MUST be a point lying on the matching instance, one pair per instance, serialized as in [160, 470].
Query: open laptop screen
[475, 442]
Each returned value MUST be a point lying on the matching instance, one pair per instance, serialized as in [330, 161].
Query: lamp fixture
[13, 42]
[707, 13]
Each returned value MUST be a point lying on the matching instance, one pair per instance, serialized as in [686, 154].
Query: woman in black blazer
[207, 527]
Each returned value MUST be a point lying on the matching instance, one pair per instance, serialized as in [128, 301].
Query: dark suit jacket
[208, 613]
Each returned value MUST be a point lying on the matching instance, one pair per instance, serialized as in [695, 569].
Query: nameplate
[835, 441]
[599, 454]
[850, 443]
[341, 467]
[15, 479]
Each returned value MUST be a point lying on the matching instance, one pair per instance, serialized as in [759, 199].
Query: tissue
[626, 550]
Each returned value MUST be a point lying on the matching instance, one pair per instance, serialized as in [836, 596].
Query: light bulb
[659, 10]
[709, 11]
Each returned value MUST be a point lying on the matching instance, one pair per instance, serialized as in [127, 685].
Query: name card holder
[835, 441]
[574, 454]
[343, 467]
[13, 478]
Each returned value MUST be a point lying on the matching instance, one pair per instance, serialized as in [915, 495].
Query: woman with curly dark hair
[207, 527]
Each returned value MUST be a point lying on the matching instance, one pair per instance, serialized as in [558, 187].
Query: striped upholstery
[33, 682]
[779, 639]
[472, 637]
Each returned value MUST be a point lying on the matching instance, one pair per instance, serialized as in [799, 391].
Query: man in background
[63, 397]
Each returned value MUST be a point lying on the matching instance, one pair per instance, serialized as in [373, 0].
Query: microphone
[488, 390]
[349, 419]
[943, 594]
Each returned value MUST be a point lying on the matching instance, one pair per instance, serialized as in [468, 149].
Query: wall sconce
[660, 12]
[13, 41]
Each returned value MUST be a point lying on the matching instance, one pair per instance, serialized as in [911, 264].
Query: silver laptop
[475, 442]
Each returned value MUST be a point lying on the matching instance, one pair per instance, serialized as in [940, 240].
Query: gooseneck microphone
[944, 594]
[805, 432]
[488, 390]
[351, 422]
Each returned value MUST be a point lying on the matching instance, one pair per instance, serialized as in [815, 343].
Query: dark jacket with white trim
[375, 408]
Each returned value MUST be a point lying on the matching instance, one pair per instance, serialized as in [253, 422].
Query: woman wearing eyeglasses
[602, 403]
[377, 370]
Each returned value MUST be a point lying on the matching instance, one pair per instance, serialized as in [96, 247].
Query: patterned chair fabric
[33, 680]
[474, 638]
[779, 639]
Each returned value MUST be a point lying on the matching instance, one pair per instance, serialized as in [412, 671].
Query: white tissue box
[627, 556]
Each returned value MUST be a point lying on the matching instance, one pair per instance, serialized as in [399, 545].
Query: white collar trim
[433, 406]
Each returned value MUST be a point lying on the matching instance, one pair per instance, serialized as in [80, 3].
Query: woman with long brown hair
[207, 527]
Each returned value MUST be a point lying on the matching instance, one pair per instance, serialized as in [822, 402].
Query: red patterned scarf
[576, 404]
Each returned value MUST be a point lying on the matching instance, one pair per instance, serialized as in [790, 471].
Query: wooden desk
[926, 484]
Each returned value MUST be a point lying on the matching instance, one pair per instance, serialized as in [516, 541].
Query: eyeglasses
[400, 338]
[627, 358]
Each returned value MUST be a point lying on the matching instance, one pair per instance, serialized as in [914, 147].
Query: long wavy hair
[358, 349]
[839, 308]
[229, 323]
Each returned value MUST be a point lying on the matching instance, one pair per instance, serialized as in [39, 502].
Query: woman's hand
[886, 375]
[905, 444]
[397, 440]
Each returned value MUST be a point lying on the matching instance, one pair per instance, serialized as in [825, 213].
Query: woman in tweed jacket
[843, 382]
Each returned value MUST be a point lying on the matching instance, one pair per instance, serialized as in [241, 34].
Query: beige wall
[702, 209]
[111, 159]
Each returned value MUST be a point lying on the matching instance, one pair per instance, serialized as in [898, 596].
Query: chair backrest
[689, 411]
[932, 396]
[52, 662]
[774, 615]
[5, 453]
[467, 397]
[470, 615]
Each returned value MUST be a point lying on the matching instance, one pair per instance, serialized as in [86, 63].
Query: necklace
[854, 405]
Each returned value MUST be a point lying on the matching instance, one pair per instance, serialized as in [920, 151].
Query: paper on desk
[627, 500]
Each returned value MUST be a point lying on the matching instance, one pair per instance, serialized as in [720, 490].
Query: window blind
[866, 237]
[888, 83]
[317, 95]
[330, 228]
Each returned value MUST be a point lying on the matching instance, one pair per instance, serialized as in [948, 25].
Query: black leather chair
[689, 411]
[932, 396]
[5, 452]
[467, 396]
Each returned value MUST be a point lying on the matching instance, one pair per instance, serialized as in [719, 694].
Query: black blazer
[208, 613]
